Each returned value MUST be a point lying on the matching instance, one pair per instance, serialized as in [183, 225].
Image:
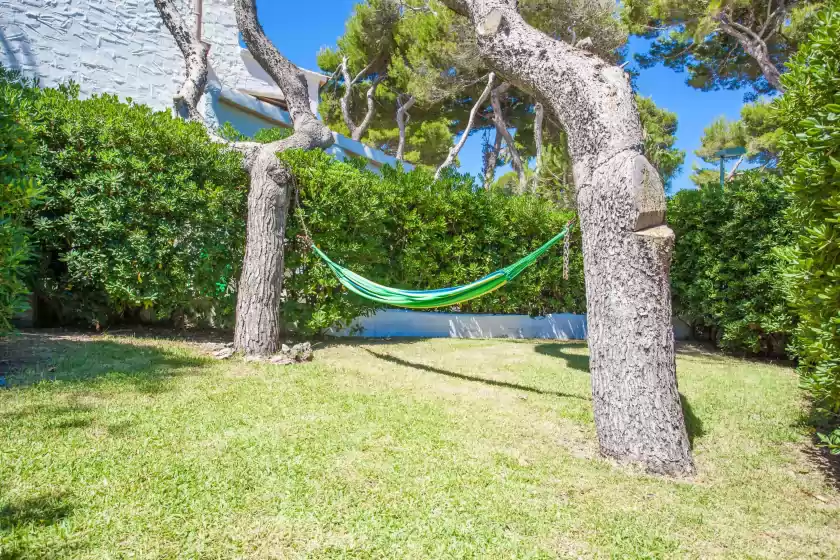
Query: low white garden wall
[398, 322]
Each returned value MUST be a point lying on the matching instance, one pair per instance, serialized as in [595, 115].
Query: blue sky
[299, 29]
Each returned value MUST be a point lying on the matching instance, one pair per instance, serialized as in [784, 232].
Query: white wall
[400, 322]
[122, 47]
[111, 46]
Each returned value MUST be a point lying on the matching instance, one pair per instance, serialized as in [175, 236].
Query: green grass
[426, 449]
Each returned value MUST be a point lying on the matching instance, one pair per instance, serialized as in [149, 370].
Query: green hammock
[435, 298]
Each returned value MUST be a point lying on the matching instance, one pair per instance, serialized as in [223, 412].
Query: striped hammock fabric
[443, 297]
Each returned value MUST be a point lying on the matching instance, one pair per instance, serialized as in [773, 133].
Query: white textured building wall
[122, 47]
[113, 46]
[387, 323]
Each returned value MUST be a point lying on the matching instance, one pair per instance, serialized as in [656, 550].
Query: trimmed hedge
[403, 229]
[726, 277]
[809, 113]
[143, 215]
[19, 190]
[141, 211]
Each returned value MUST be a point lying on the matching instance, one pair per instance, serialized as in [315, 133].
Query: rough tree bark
[627, 247]
[402, 120]
[501, 129]
[258, 321]
[195, 59]
[357, 131]
[453, 151]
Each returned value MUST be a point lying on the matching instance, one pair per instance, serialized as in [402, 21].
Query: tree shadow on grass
[39, 511]
[146, 368]
[825, 462]
[815, 421]
[485, 381]
[560, 350]
[693, 423]
[42, 510]
[55, 418]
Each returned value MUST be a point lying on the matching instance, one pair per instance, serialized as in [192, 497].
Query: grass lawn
[423, 449]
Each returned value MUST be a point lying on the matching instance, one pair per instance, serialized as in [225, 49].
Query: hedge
[726, 276]
[405, 230]
[19, 190]
[141, 211]
[809, 113]
[143, 215]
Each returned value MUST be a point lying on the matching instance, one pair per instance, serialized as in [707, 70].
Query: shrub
[725, 274]
[809, 113]
[141, 210]
[403, 230]
[18, 190]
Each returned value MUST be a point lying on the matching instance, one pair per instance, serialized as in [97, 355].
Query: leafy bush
[18, 190]
[141, 210]
[725, 274]
[402, 229]
[809, 113]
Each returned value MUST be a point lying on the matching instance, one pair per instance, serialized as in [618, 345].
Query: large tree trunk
[258, 324]
[627, 247]
[258, 319]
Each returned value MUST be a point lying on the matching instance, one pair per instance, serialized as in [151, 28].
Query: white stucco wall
[387, 323]
[113, 46]
[122, 47]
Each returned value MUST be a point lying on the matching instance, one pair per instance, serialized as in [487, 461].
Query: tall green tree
[757, 130]
[429, 60]
[727, 44]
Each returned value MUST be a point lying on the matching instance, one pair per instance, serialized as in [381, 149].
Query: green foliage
[555, 180]
[809, 113]
[429, 52]
[686, 37]
[726, 276]
[660, 130]
[19, 189]
[756, 130]
[141, 210]
[403, 230]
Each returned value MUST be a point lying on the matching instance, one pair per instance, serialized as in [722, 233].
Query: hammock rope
[444, 297]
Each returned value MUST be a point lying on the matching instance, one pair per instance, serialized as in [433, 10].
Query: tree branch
[195, 59]
[402, 120]
[501, 128]
[491, 159]
[356, 132]
[769, 27]
[539, 113]
[309, 131]
[754, 46]
[734, 169]
[453, 152]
